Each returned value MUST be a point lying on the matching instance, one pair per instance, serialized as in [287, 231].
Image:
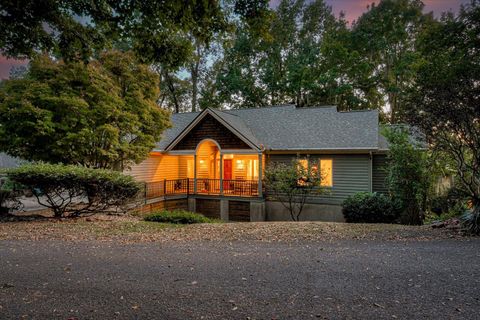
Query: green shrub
[408, 178]
[471, 222]
[450, 204]
[8, 197]
[72, 191]
[177, 217]
[366, 207]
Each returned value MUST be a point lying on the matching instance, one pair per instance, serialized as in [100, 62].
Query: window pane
[303, 163]
[326, 165]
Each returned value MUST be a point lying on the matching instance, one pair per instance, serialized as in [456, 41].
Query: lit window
[326, 167]
[302, 164]
[240, 164]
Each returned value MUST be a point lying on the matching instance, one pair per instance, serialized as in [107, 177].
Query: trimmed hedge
[71, 191]
[177, 217]
[8, 196]
[367, 207]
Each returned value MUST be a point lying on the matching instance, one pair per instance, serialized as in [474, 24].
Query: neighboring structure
[7, 161]
[212, 162]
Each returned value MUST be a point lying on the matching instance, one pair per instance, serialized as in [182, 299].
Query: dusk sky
[352, 9]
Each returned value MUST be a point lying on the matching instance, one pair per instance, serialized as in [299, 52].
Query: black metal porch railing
[239, 188]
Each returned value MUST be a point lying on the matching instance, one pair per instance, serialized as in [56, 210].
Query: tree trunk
[412, 215]
[194, 73]
[171, 88]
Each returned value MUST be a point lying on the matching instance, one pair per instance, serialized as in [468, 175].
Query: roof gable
[229, 133]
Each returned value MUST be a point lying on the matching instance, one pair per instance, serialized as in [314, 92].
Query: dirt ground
[133, 229]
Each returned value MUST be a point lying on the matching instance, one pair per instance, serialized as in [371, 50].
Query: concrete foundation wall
[257, 211]
[275, 211]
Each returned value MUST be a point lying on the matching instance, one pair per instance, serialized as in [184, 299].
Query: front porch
[202, 186]
[207, 170]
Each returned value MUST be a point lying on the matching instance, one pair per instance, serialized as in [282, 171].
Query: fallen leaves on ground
[133, 229]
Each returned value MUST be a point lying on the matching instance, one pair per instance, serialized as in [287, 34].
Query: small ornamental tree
[291, 184]
[73, 191]
[100, 115]
[407, 175]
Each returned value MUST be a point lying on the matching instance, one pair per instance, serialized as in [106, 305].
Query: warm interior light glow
[228, 156]
[303, 163]
[190, 168]
[240, 165]
[326, 165]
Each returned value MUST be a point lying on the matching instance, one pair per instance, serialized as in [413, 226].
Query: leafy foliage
[384, 39]
[453, 203]
[366, 207]
[471, 223]
[408, 178]
[8, 196]
[72, 191]
[291, 184]
[78, 29]
[281, 65]
[100, 115]
[445, 100]
[177, 217]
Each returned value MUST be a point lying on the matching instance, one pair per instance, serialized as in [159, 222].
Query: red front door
[227, 173]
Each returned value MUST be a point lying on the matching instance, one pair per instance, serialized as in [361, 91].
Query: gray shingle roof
[291, 128]
[7, 161]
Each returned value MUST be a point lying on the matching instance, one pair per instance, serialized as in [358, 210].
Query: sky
[352, 9]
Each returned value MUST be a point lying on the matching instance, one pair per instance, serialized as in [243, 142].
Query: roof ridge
[353, 111]
[223, 111]
[263, 107]
[316, 107]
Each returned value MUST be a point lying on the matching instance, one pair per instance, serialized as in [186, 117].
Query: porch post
[221, 173]
[195, 173]
[260, 175]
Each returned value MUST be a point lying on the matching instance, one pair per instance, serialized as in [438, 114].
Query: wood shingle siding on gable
[210, 128]
[379, 175]
[351, 174]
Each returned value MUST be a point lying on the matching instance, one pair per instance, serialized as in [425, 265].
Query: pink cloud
[354, 8]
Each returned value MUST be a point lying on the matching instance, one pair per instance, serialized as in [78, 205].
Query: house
[212, 161]
[7, 161]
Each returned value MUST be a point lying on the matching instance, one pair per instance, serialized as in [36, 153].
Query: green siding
[351, 174]
[379, 174]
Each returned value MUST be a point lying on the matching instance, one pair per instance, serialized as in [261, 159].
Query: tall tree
[100, 115]
[77, 29]
[282, 65]
[384, 38]
[445, 99]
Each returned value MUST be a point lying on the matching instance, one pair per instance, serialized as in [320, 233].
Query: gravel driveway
[346, 279]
